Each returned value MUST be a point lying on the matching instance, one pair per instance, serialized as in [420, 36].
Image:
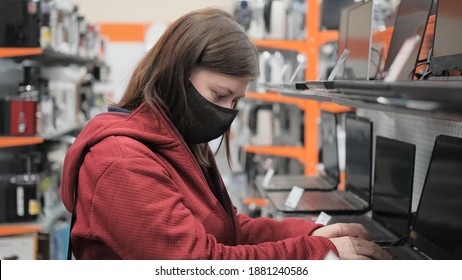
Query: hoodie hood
[153, 130]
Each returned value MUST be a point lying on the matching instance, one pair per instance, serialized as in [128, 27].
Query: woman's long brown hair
[208, 38]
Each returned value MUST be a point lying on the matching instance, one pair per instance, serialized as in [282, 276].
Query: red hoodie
[142, 195]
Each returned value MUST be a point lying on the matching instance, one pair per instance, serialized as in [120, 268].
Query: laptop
[354, 35]
[326, 180]
[437, 228]
[356, 197]
[411, 20]
[392, 193]
[447, 46]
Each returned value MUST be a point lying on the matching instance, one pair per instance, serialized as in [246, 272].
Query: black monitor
[447, 44]
[358, 157]
[358, 42]
[411, 20]
[393, 181]
[329, 151]
[437, 229]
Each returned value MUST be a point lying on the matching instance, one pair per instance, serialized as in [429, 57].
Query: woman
[142, 181]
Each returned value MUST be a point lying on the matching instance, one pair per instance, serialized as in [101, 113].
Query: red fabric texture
[142, 195]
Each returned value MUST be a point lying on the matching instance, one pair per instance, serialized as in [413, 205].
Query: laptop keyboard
[376, 232]
[405, 253]
[325, 201]
[305, 182]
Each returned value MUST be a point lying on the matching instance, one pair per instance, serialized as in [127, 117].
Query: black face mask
[211, 121]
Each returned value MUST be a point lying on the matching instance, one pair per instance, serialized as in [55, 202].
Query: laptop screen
[437, 229]
[358, 41]
[329, 150]
[331, 10]
[411, 20]
[393, 180]
[358, 158]
[447, 47]
[343, 27]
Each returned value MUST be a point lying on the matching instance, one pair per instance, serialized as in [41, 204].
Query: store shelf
[289, 96]
[291, 45]
[310, 102]
[9, 141]
[298, 45]
[44, 224]
[281, 151]
[46, 56]
[275, 97]
[433, 99]
[334, 108]
[19, 141]
[14, 229]
[13, 52]
[52, 57]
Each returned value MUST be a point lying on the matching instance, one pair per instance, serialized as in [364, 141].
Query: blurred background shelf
[14, 52]
[6, 141]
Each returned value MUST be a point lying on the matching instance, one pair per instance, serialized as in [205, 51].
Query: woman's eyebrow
[229, 91]
[224, 89]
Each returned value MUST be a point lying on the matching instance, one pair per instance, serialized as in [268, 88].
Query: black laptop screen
[447, 47]
[438, 226]
[358, 159]
[411, 20]
[329, 145]
[393, 180]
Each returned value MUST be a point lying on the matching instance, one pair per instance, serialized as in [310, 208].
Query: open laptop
[355, 36]
[447, 46]
[411, 20]
[392, 194]
[437, 228]
[326, 180]
[356, 197]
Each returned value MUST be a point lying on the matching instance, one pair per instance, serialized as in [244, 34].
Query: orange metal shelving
[12, 52]
[334, 108]
[19, 141]
[291, 45]
[281, 151]
[6, 230]
[276, 97]
[326, 36]
[308, 154]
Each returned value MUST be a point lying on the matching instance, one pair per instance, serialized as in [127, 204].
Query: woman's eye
[219, 94]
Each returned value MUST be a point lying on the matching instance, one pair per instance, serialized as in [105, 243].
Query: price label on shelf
[294, 197]
[269, 174]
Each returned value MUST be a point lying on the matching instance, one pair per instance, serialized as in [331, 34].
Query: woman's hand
[341, 229]
[350, 248]
[351, 242]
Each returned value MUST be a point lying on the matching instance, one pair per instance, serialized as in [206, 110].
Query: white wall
[143, 11]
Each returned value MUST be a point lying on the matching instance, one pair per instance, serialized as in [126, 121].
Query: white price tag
[20, 201]
[323, 219]
[294, 197]
[269, 174]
